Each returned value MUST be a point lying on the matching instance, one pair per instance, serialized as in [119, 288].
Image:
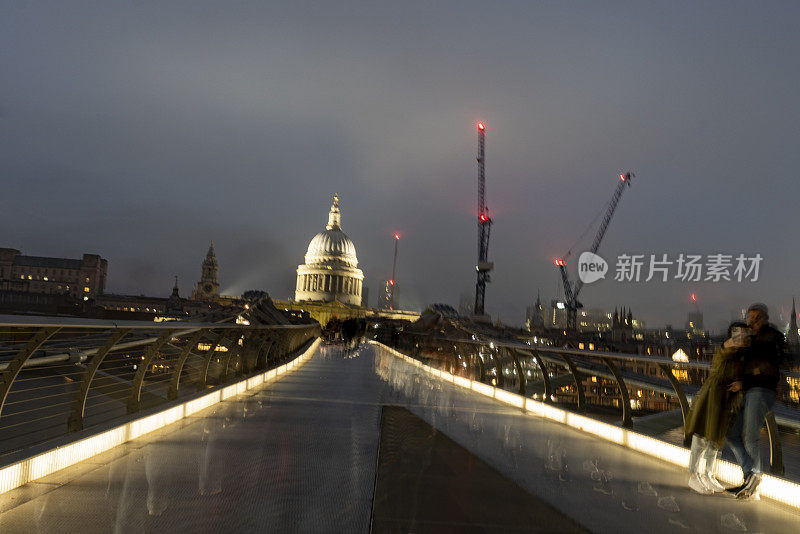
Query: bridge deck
[301, 454]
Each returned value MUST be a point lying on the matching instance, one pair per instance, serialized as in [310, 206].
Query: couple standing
[734, 401]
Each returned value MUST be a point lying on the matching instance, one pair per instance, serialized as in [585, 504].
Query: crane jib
[572, 290]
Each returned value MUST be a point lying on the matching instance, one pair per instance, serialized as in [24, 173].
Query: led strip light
[46, 463]
[772, 487]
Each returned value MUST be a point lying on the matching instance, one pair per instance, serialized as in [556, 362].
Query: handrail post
[501, 379]
[548, 387]
[134, 401]
[232, 352]
[75, 421]
[679, 392]
[175, 380]
[263, 353]
[520, 373]
[15, 365]
[578, 379]
[627, 419]
[203, 379]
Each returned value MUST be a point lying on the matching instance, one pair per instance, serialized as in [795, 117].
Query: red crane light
[391, 282]
[481, 127]
[694, 298]
[561, 263]
[622, 177]
[483, 217]
[397, 237]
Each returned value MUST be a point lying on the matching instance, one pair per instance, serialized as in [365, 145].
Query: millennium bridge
[251, 422]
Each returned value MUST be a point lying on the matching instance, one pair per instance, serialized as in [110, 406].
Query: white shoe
[712, 483]
[696, 484]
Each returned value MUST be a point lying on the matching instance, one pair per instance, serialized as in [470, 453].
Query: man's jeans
[745, 432]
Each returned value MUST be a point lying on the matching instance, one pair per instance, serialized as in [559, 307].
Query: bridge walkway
[303, 454]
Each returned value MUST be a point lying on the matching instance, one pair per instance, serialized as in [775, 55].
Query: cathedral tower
[208, 287]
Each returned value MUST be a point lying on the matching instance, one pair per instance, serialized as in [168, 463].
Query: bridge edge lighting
[48, 462]
[772, 487]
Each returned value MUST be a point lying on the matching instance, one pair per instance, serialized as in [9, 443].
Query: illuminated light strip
[228, 392]
[772, 487]
[463, 382]
[194, 406]
[48, 462]
[483, 389]
[509, 398]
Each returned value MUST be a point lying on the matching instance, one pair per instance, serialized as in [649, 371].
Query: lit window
[30, 277]
[45, 279]
[22, 277]
[86, 289]
[87, 279]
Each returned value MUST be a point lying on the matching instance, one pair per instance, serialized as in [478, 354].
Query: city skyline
[141, 134]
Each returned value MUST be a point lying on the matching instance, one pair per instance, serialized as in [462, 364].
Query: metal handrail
[584, 366]
[570, 351]
[57, 369]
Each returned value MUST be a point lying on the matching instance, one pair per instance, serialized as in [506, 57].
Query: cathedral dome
[331, 246]
[331, 269]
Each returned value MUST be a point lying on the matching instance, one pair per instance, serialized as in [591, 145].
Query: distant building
[534, 315]
[595, 320]
[385, 300]
[694, 321]
[172, 307]
[208, 287]
[330, 272]
[81, 279]
[330, 284]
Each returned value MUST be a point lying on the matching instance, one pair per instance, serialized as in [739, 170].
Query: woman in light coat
[711, 412]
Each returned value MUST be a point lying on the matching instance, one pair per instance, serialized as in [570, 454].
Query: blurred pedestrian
[760, 376]
[710, 415]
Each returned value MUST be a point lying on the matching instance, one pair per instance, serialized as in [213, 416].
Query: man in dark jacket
[759, 382]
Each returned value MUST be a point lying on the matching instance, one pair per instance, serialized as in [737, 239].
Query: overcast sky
[141, 132]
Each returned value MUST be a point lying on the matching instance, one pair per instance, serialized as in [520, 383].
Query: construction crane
[573, 289]
[484, 227]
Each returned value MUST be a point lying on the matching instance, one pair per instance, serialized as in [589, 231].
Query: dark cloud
[142, 132]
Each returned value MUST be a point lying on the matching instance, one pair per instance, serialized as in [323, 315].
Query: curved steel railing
[61, 375]
[524, 368]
